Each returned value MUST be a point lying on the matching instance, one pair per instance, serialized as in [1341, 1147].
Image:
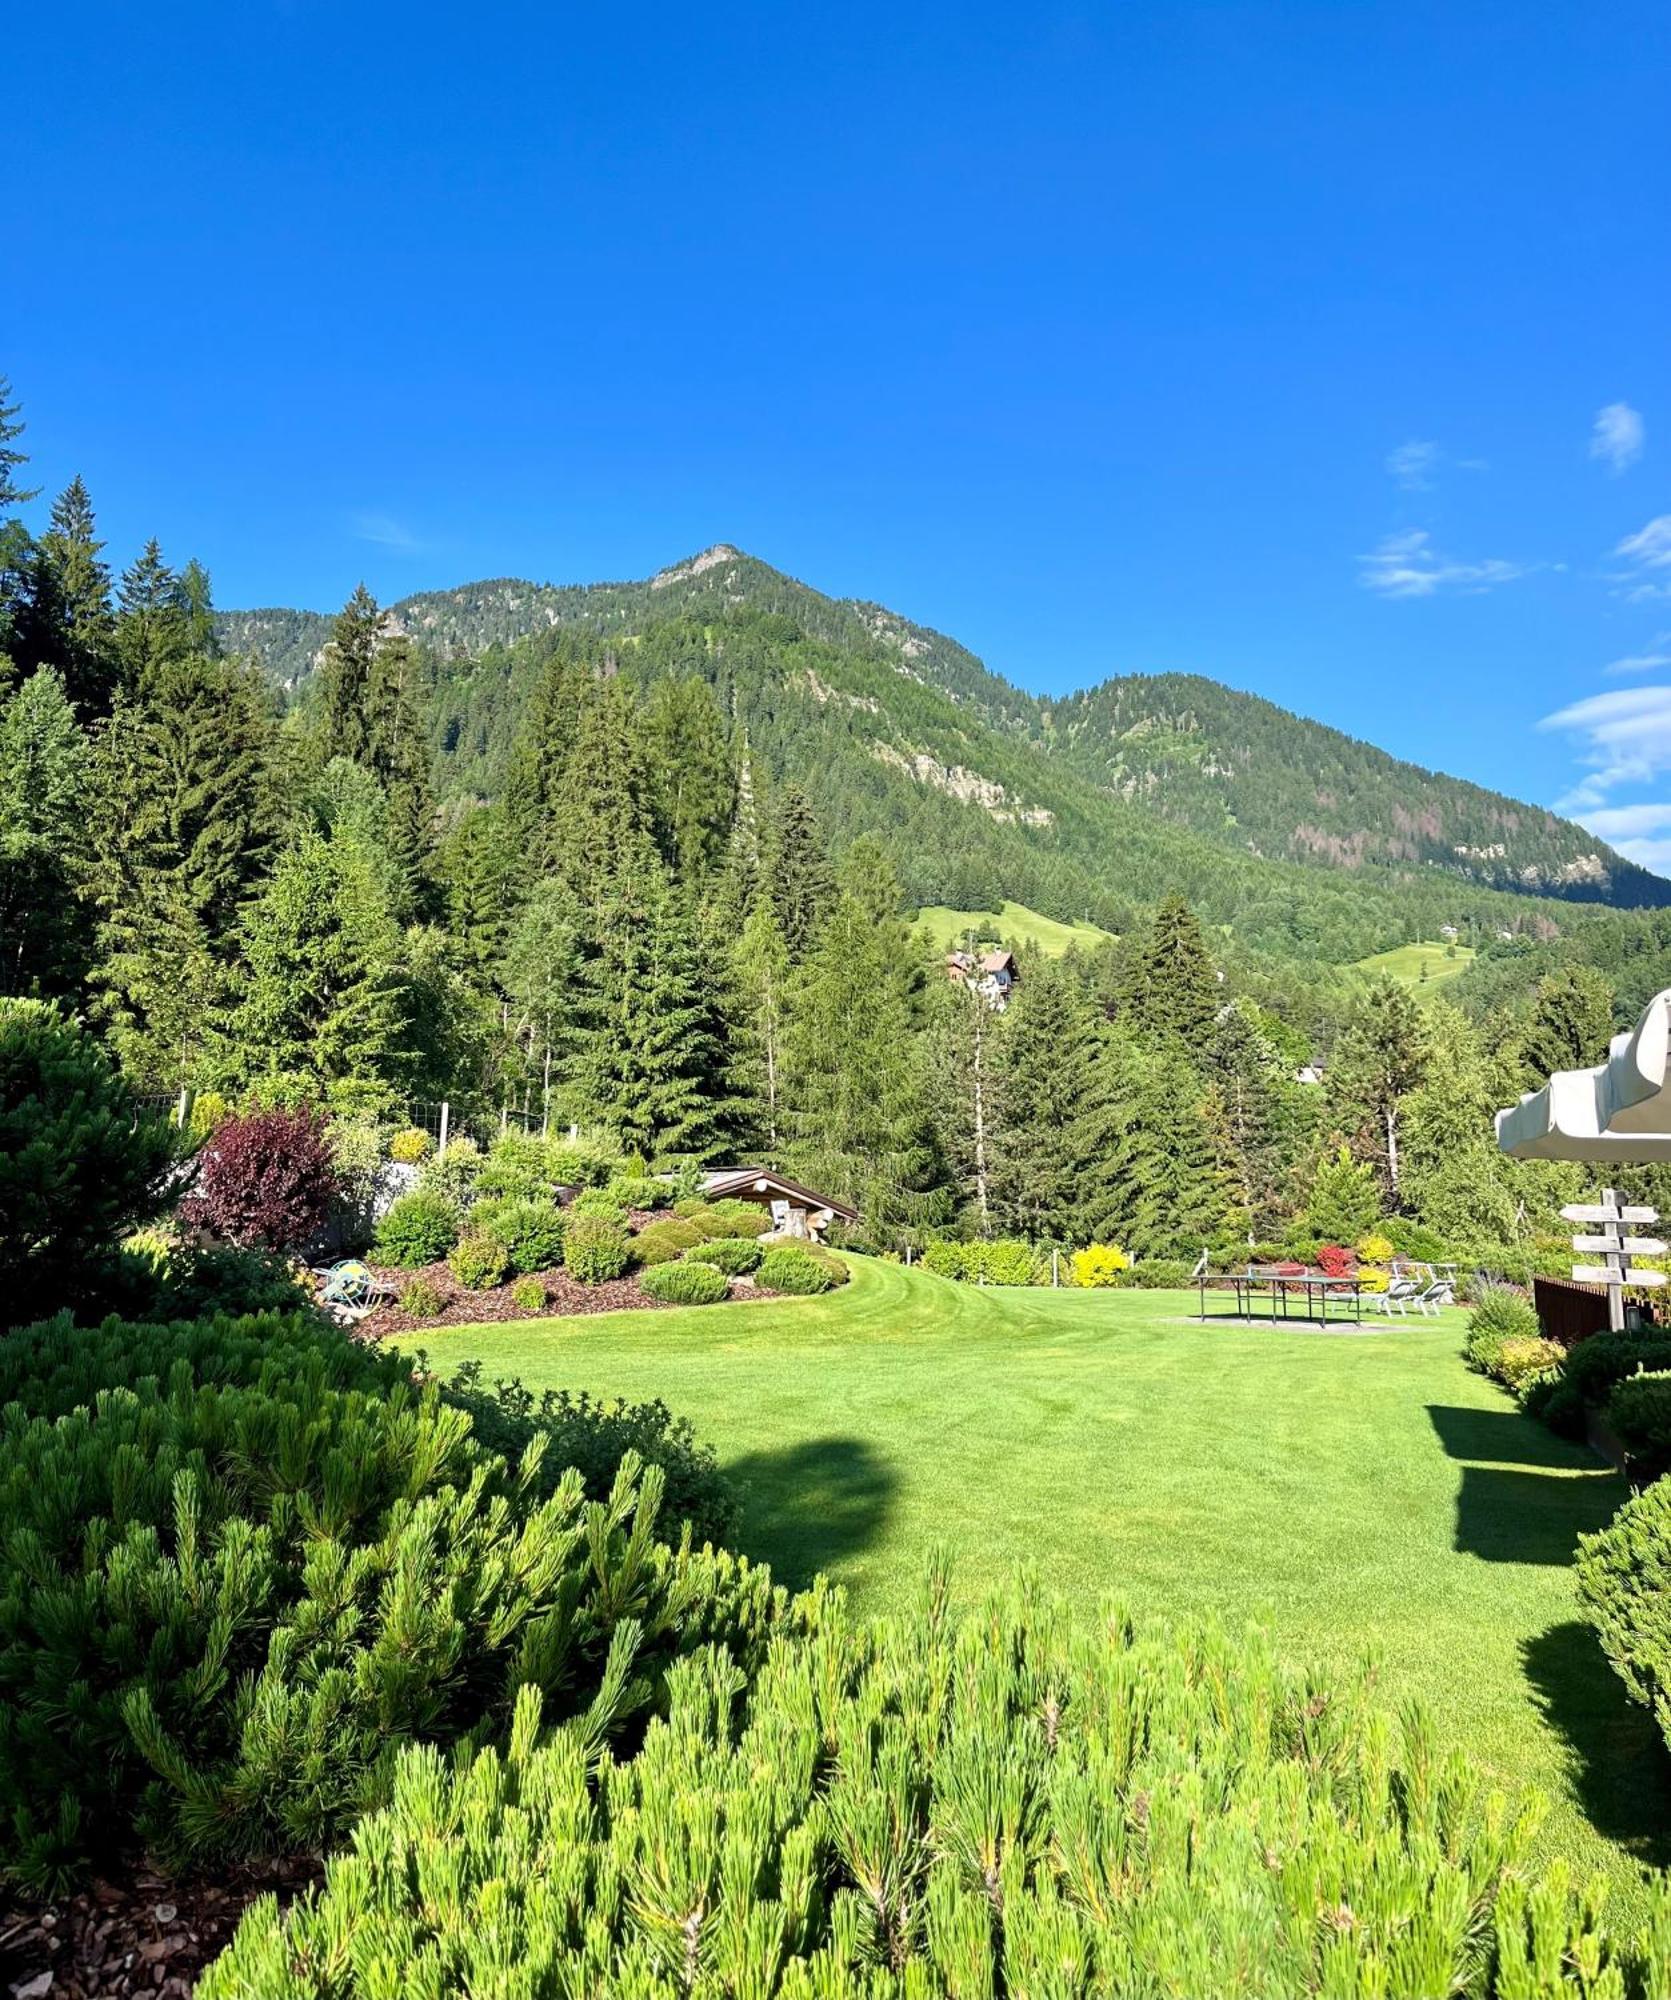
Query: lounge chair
[1400, 1295]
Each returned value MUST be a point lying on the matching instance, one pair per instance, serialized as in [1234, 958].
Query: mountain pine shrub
[420, 1228]
[735, 1255]
[529, 1295]
[1017, 1804]
[594, 1248]
[790, 1268]
[232, 1588]
[686, 1284]
[1639, 1415]
[660, 1242]
[1624, 1579]
[1586, 1378]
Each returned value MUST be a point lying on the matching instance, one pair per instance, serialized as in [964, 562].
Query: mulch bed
[566, 1296]
[144, 1935]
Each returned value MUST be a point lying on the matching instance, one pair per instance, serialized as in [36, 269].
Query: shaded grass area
[1363, 1495]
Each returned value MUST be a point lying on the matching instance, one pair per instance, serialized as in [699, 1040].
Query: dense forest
[652, 866]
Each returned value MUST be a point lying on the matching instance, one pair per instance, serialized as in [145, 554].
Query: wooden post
[1615, 1259]
[446, 1113]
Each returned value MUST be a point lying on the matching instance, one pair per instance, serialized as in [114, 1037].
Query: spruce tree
[480, 874]
[1262, 1112]
[80, 586]
[602, 829]
[397, 755]
[45, 928]
[540, 975]
[1170, 986]
[43, 765]
[795, 870]
[540, 754]
[760, 971]
[11, 426]
[1570, 1026]
[1345, 1199]
[1047, 1163]
[646, 1059]
[685, 743]
[345, 678]
[153, 620]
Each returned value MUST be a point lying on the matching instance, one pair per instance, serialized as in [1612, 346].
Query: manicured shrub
[789, 1268]
[598, 1202]
[531, 1231]
[421, 1299]
[1624, 1580]
[1018, 1804]
[1639, 1414]
[594, 1437]
[529, 1295]
[744, 1220]
[268, 1178]
[411, 1145]
[80, 1165]
[1334, 1260]
[1585, 1380]
[727, 1253]
[1518, 1360]
[685, 1284]
[1100, 1264]
[454, 1174]
[420, 1228]
[1007, 1261]
[594, 1249]
[661, 1242]
[638, 1191]
[947, 1259]
[1159, 1274]
[519, 1166]
[246, 1560]
[582, 1162]
[478, 1262]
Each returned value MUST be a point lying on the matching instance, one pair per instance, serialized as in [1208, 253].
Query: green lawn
[1362, 1492]
[1408, 963]
[1015, 923]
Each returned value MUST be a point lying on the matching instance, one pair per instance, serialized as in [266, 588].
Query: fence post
[504, 1119]
[182, 1110]
[1055, 1270]
[446, 1119]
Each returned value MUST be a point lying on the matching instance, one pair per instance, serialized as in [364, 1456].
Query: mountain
[1297, 839]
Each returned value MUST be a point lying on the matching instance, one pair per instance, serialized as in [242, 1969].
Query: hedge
[1639, 1415]
[1563, 1397]
[1017, 1804]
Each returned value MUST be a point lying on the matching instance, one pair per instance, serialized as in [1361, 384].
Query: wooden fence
[1569, 1312]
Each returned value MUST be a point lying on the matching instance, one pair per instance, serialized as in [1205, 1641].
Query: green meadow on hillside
[1424, 967]
[1014, 923]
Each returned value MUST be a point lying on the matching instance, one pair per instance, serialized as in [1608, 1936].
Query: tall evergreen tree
[540, 754]
[1170, 985]
[760, 970]
[43, 765]
[1049, 1167]
[646, 1059]
[153, 620]
[12, 427]
[603, 827]
[796, 871]
[480, 873]
[45, 933]
[71, 553]
[1262, 1109]
[1570, 1026]
[690, 760]
[1379, 1059]
[345, 678]
[1170, 1188]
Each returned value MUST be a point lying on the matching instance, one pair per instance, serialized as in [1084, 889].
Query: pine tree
[1345, 1200]
[1380, 1058]
[1047, 1164]
[602, 829]
[646, 1059]
[1170, 1192]
[540, 755]
[397, 755]
[685, 744]
[80, 587]
[796, 873]
[1262, 1111]
[1170, 986]
[43, 765]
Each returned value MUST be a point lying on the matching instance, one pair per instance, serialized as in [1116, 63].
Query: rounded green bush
[661, 1242]
[791, 1269]
[529, 1295]
[598, 1202]
[531, 1231]
[594, 1249]
[727, 1253]
[422, 1300]
[419, 1228]
[453, 1174]
[478, 1262]
[686, 1284]
[638, 1191]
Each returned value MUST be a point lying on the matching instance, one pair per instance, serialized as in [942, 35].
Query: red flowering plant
[1335, 1261]
[264, 1179]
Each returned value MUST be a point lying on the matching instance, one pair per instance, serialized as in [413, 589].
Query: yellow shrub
[1374, 1249]
[410, 1145]
[1099, 1264]
[1373, 1278]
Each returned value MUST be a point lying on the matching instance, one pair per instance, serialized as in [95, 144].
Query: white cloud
[1647, 555]
[1414, 464]
[1618, 436]
[1629, 822]
[1408, 565]
[1626, 737]
[384, 531]
[1641, 663]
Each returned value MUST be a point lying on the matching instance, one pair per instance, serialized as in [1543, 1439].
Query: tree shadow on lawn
[813, 1504]
[1536, 1499]
[1616, 1759]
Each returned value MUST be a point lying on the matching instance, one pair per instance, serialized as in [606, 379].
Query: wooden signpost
[1609, 1218]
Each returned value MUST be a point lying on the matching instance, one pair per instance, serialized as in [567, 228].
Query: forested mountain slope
[1299, 840]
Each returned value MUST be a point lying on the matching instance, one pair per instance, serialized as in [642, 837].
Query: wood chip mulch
[463, 1307]
[146, 1934]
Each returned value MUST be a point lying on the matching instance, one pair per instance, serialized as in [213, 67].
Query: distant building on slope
[994, 975]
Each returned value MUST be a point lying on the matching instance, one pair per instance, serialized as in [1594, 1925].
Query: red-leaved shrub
[1335, 1262]
[265, 1178]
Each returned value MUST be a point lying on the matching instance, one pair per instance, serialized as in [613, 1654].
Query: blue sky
[1323, 349]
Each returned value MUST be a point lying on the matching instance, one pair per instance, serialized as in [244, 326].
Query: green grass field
[1363, 1493]
[1408, 962]
[1015, 923]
